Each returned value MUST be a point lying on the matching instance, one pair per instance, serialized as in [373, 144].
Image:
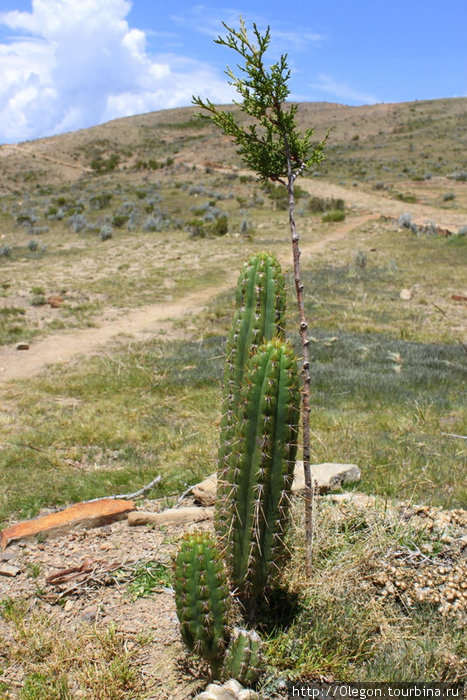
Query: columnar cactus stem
[259, 474]
[202, 598]
[243, 657]
[259, 316]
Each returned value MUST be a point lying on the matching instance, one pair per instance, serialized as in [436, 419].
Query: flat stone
[171, 516]
[83, 515]
[330, 476]
[9, 570]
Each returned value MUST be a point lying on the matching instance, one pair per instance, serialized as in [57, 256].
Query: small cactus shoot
[202, 598]
[243, 657]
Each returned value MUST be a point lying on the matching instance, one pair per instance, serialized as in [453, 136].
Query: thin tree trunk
[306, 379]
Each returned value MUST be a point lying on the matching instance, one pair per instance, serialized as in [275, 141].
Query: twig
[461, 437]
[128, 496]
[184, 494]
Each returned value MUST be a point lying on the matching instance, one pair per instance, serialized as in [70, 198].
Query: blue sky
[69, 64]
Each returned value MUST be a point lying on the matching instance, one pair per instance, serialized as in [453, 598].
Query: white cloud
[343, 91]
[79, 63]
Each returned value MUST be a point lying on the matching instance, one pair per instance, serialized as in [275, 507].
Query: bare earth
[145, 322]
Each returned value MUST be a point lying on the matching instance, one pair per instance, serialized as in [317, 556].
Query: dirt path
[148, 321]
[365, 201]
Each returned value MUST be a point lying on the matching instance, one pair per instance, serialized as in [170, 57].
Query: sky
[71, 64]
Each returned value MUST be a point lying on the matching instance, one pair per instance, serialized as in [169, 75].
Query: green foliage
[334, 215]
[102, 165]
[202, 598]
[323, 204]
[275, 150]
[100, 201]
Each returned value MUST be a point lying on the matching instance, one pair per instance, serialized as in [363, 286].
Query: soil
[98, 598]
[145, 322]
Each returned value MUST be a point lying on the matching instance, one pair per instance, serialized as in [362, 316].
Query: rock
[22, 346]
[233, 685]
[220, 692]
[205, 492]
[9, 570]
[328, 475]
[90, 614]
[69, 605]
[83, 515]
[172, 516]
[406, 294]
[247, 694]
[7, 556]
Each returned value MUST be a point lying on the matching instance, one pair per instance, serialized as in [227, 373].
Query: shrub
[220, 226]
[78, 223]
[105, 233]
[33, 245]
[322, 204]
[119, 220]
[334, 215]
[100, 201]
[105, 165]
[405, 220]
[5, 251]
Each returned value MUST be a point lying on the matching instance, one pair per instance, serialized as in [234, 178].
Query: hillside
[374, 146]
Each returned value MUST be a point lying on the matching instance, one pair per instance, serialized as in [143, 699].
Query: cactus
[243, 657]
[259, 315]
[259, 473]
[202, 598]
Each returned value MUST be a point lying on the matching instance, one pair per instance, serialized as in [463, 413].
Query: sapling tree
[271, 144]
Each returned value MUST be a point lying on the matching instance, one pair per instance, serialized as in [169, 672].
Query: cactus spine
[202, 598]
[259, 315]
[243, 657]
[259, 472]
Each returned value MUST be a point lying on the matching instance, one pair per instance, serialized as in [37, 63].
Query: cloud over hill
[74, 63]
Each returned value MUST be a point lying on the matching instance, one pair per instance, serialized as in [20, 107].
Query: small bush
[5, 251]
[322, 204]
[105, 233]
[405, 220]
[33, 245]
[100, 201]
[220, 226]
[78, 223]
[334, 215]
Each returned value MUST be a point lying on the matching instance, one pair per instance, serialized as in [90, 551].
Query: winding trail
[146, 322]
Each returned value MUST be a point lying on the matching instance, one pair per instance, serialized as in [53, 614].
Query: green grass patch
[112, 424]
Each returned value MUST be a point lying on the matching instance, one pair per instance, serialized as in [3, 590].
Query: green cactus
[259, 473]
[259, 315]
[243, 657]
[202, 598]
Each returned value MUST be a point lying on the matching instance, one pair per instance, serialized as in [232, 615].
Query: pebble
[9, 570]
